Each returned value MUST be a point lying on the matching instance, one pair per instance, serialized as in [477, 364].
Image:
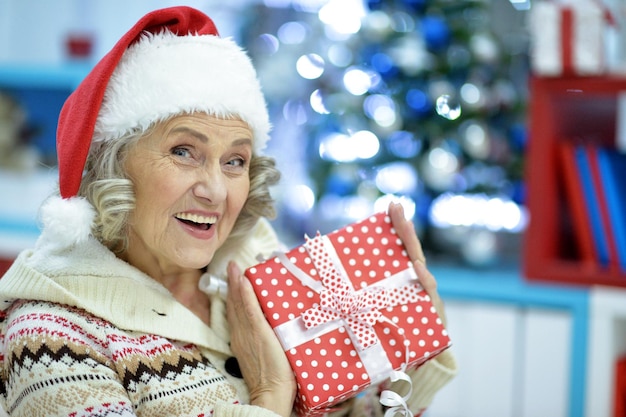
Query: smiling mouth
[197, 221]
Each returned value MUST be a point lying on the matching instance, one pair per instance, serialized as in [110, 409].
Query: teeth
[197, 218]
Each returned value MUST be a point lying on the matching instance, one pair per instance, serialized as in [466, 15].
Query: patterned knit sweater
[83, 333]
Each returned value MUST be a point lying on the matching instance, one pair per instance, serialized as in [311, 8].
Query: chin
[196, 262]
[201, 263]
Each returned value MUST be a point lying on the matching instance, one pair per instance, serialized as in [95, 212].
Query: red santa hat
[172, 61]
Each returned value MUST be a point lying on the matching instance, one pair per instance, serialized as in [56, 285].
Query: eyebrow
[241, 142]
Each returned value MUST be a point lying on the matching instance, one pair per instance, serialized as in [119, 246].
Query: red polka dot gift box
[349, 312]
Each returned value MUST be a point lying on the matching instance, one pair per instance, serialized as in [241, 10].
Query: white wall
[513, 362]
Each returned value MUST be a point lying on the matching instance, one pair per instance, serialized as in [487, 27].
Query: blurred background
[431, 103]
[417, 101]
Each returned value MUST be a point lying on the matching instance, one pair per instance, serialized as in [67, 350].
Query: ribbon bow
[360, 309]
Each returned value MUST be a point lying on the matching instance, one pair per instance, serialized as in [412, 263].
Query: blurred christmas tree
[416, 100]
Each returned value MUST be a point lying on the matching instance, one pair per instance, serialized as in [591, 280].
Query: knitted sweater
[85, 334]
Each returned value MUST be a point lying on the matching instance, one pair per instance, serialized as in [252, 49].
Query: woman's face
[191, 178]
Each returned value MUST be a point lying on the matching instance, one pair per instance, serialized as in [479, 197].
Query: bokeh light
[397, 178]
[269, 43]
[342, 16]
[340, 147]
[403, 144]
[301, 199]
[440, 168]
[493, 213]
[310, 66]
[339, 55]
[292, 33]
[448, 107]
[418, 100]
[317, 102]
[295, 112]
[380, 108]
[357, 81]
[470, 93]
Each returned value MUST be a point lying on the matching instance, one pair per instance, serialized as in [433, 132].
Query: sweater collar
[91, 277]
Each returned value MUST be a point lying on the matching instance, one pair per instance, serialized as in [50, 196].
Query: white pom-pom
[66, 222]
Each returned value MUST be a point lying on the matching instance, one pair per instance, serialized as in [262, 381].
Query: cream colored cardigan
[90, 277]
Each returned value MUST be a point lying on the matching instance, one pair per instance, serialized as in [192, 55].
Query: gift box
[348, 310]
[569, 38]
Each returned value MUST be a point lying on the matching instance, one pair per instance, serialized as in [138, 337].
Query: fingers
[241, 299]
[429, 283]
[406, 232]
[262, 360]
[233, 298]
[235, 281]
[427, 279]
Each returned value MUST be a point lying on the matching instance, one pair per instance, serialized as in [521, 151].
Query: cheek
[161, 182]
[151, 197]
[155, 196]
[239, 195]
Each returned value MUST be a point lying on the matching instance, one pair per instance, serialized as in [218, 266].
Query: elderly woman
[162, 185]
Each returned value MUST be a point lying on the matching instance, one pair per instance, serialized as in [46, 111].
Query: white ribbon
[393, 400]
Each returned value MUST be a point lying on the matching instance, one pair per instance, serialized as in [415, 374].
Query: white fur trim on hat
[164, 75]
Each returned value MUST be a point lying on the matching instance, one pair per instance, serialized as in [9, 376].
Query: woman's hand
[406, 232]
[261, 358]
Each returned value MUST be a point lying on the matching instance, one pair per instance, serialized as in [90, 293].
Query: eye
[237, 162]
[181, 151]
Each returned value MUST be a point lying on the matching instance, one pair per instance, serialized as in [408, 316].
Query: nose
[211, 184]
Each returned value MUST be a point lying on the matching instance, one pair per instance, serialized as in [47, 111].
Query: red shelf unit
[5, 264]
[577, 109]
